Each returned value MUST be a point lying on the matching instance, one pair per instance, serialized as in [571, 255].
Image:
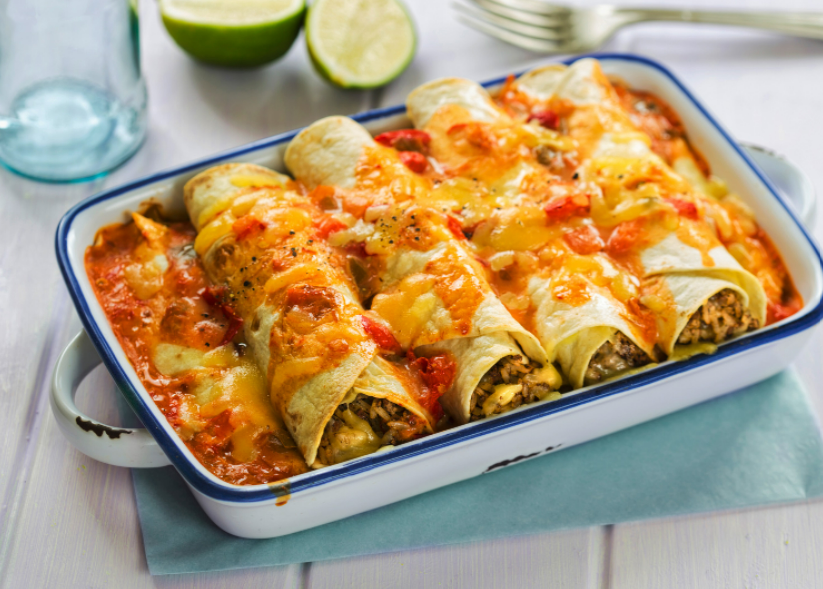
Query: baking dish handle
[135, 448]
[793, 185]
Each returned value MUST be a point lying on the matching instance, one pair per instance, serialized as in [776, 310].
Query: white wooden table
[67, 521]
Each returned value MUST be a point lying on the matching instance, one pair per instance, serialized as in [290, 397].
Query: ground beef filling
[364, 425]
[511, 370]
[614, 357]
[722, 317]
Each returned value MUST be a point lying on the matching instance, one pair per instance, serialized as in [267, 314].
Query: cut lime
[234, 33]
[360, 43]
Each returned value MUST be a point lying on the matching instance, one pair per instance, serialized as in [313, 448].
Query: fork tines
[529, 24]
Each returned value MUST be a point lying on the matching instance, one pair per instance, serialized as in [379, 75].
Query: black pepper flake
[205, 314]
[291, 232]
[417, 238]
[576, 176]
[253, 259]
[391, 241]
[208, 345]
[294, 252]
[246, 283]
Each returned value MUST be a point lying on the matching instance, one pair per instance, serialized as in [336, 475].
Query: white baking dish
[322, 496]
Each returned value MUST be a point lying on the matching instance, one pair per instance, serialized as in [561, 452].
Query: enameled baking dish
[336, 492]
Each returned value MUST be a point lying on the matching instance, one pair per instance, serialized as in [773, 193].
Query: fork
[552, 28]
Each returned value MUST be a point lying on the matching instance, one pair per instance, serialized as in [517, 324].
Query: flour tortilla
[571, 335]
[424, 101]
[579, 83]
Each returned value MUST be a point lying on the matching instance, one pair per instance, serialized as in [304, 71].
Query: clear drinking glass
[72, 100]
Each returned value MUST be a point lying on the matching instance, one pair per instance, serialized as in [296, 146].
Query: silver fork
[553, 28]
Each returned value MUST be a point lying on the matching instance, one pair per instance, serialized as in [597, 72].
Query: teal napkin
[759, 445]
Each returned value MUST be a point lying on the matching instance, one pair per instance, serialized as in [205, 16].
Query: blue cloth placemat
[757, 446]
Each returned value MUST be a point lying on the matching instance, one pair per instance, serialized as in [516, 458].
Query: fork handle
[799, 24]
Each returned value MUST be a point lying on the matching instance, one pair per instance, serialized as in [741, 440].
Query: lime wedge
[233, 33]
[360, 43]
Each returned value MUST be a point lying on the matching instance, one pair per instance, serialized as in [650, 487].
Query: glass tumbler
[72, 100]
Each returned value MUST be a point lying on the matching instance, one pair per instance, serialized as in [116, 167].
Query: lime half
[360, 43]
[234, 33]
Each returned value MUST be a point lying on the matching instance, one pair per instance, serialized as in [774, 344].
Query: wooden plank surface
[759, 548]
[561, 560]
[67, 521]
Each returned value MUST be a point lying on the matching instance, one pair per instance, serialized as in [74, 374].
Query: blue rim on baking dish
[219, 490]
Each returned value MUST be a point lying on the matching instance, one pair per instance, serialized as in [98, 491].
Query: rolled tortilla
[683, 268]
[432, 292]
[424, 101]
[579, 333]
[301, 319]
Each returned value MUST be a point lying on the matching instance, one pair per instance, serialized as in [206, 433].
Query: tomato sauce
[184, 311]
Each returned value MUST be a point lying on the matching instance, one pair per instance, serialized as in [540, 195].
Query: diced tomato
[438, 372]
[235, 324]
[215, 295]
[625, 236]
[584, 240]
[455, 227]
[414, 161]
[218, 297]
[684, 208]
[560, 209]
[247, 226]
[777, 311]
[381, 334]
[432, 405]
[405, 140]
[311, 303]
[546, 118]
[328, 225]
